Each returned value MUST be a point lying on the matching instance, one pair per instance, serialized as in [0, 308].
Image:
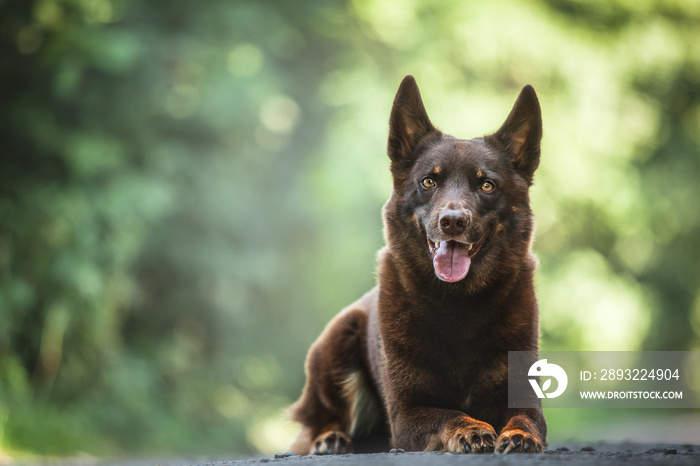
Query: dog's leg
[434, 429]
[524, 432]
[335, 387]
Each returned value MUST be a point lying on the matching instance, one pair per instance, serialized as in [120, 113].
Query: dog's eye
[428, 182]
[487, 186]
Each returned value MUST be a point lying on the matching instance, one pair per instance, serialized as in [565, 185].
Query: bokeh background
[190, 190]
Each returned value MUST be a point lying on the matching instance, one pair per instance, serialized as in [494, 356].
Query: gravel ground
[567, 453]
[570, 454]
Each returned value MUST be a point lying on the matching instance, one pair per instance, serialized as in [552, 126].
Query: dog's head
[460, 208]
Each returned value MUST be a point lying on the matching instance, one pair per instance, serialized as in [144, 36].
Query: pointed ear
[521, 133]
[409, 121]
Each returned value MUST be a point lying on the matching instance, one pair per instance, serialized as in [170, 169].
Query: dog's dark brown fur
[421, 360]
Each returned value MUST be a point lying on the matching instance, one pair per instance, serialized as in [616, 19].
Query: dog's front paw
[331, 443]
[518, 441]
[478, 437]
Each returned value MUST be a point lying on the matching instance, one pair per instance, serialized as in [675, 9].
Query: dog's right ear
[409, 122]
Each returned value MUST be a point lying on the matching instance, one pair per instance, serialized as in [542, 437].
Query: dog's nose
[453, 222]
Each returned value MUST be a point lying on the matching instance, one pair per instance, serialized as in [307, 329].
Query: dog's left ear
[521, 133]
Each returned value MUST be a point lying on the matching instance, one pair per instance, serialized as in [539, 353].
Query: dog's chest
[462, 361]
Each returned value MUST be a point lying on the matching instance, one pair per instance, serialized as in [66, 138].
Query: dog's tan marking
[518, 140]
[415, 220]
[331, 442]
[471, 436]
[364, 408]
[480, 174]
[436, 170]
[499, 228]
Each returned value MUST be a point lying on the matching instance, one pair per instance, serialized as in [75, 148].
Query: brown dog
[421, 360]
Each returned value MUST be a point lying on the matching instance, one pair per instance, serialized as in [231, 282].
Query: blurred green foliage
[190, 190]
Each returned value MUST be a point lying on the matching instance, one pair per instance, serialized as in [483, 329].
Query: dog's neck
[400, 275]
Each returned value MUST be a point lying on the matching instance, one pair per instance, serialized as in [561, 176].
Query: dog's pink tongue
[451, 261]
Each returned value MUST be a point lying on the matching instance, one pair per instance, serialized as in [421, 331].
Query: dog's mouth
[452, 259]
